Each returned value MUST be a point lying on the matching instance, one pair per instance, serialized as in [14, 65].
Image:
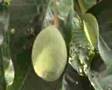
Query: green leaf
[91, 29]
[103, 13]
[62, 7]
[7, 61]
[5, 50]
[106, 82]
[77, 43]
[9, 73]
[105, 52]
[58, 9]
[46, 51]
[60, 13]
[94, 79]
[86, 4]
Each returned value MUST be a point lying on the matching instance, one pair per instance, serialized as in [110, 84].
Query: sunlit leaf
[46, 51]
[78, 41]
[91, 29]
[103, 80]
[9, 73]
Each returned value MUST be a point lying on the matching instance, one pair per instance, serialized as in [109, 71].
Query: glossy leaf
[102, 80]
[91, 29]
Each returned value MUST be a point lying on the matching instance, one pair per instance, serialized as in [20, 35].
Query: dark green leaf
[22, 16]
[5, 50]
[86, 4]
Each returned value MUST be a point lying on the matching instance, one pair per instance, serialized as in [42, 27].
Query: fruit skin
[49, 54]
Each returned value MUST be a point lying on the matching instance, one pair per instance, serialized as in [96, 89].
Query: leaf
[103, 13]
[59, 13]
[91, 29]
[64, 7]
[105, 52]
[9, 73]
[94, 80]
[100, 82]
[106, 82]
[48, 46]
[74, 62]
[86, 4]
[78, 41]
[5, 50]
[73, 81]
[57, 10]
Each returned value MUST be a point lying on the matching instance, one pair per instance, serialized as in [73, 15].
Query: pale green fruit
[49, 54]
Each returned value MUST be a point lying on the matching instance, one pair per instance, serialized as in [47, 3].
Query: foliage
[86, 28]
